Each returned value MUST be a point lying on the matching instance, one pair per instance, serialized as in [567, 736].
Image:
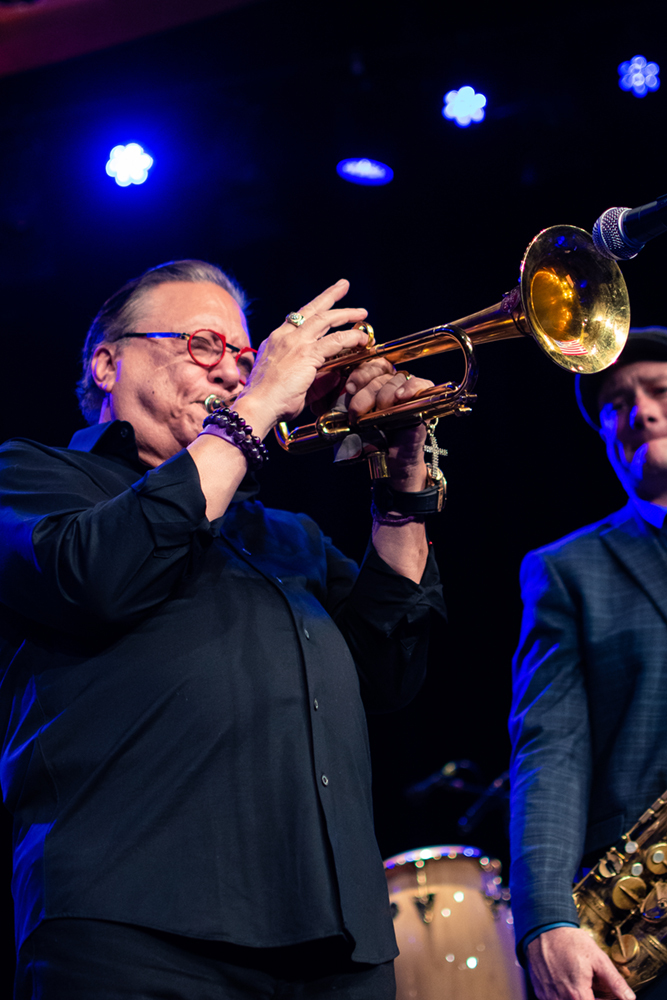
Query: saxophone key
[628, 892]
[654, 908]
[656, 859]
[610, 865]
[624, 949]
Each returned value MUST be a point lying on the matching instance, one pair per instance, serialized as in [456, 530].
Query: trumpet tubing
[495, 323]
[570, 299]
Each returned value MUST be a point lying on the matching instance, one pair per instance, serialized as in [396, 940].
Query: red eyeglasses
[207, 348]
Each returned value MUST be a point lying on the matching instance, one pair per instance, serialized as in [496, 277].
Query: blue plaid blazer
[589, 714]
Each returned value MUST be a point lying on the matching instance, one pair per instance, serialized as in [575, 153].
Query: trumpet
[570, 299]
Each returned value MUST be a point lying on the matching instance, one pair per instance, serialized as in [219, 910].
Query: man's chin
[646, 475]
[650, 460]
[656, 453]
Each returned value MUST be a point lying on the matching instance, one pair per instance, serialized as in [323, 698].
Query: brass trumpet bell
[570, 299]
[575, 302]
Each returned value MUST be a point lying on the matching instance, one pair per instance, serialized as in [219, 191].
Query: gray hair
[118, 315]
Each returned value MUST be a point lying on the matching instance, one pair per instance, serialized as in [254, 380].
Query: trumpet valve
[368, 329]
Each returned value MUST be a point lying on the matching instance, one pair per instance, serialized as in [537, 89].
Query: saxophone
[622, 901]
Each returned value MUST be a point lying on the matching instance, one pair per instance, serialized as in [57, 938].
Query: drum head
[453, 925]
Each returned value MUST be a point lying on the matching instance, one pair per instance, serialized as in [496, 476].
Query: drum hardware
[425, 900]
[424, 906]
[570, 299]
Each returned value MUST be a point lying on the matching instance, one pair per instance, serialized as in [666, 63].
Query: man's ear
[104, 367]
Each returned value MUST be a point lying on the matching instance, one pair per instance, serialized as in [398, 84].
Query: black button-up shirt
[183, 702]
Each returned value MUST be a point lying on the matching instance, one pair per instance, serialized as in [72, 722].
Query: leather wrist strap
[428, 501]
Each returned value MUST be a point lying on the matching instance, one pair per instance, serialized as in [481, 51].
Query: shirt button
[306, 633]
[316, 704]
[246, 552]
[325, 780]
[123, 432]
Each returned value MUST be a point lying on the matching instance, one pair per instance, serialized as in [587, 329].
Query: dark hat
[648, 343]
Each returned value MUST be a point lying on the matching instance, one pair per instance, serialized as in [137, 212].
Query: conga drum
[453, 925]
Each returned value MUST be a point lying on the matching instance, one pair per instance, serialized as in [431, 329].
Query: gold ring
[296, 319]
[408, 376]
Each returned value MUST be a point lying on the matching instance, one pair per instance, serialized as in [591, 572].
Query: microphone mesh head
[608, 237]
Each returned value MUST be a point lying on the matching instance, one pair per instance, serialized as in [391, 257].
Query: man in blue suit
[589, 716]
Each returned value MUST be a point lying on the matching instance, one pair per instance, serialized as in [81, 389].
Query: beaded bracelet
[393, 520]
[231, 427]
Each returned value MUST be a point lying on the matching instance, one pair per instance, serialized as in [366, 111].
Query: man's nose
[645, 411]
[226, 372]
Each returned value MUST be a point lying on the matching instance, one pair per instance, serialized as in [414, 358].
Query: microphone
[620, 233]
[495, 795]
[448, 777]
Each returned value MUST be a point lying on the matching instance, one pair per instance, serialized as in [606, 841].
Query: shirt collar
[115, 439]
[651, 512]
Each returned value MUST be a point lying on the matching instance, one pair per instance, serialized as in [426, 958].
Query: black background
[246, 115]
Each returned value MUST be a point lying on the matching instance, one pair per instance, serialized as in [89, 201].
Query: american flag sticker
[570, 347]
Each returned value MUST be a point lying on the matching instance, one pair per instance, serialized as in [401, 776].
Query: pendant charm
[433, 470]
[432, 448]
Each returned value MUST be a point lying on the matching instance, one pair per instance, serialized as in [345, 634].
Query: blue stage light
[365, 171]
[464, 106]
[639, 76]
[129, 164]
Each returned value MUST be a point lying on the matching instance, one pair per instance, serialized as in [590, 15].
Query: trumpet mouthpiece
[212, 403]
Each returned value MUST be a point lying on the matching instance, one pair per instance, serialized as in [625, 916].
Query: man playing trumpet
[186, 672]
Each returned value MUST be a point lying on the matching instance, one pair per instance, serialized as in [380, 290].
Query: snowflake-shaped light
[365, 171]
[464, 106]
[639, 76]
[129, 164]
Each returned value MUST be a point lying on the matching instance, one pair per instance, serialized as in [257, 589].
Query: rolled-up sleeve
[386, 621]
[72, 558]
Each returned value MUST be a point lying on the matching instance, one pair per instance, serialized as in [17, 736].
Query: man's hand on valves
[284, 378]
[288, 360]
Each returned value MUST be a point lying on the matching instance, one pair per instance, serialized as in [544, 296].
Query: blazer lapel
[635, 545]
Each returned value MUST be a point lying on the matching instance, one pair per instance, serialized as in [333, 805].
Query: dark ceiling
[246, 115]
[40, 32]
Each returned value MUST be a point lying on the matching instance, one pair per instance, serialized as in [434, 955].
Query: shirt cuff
[541, 930]
[387, 597]
[172, 502]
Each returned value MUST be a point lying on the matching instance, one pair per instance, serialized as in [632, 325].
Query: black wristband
[428, 501]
